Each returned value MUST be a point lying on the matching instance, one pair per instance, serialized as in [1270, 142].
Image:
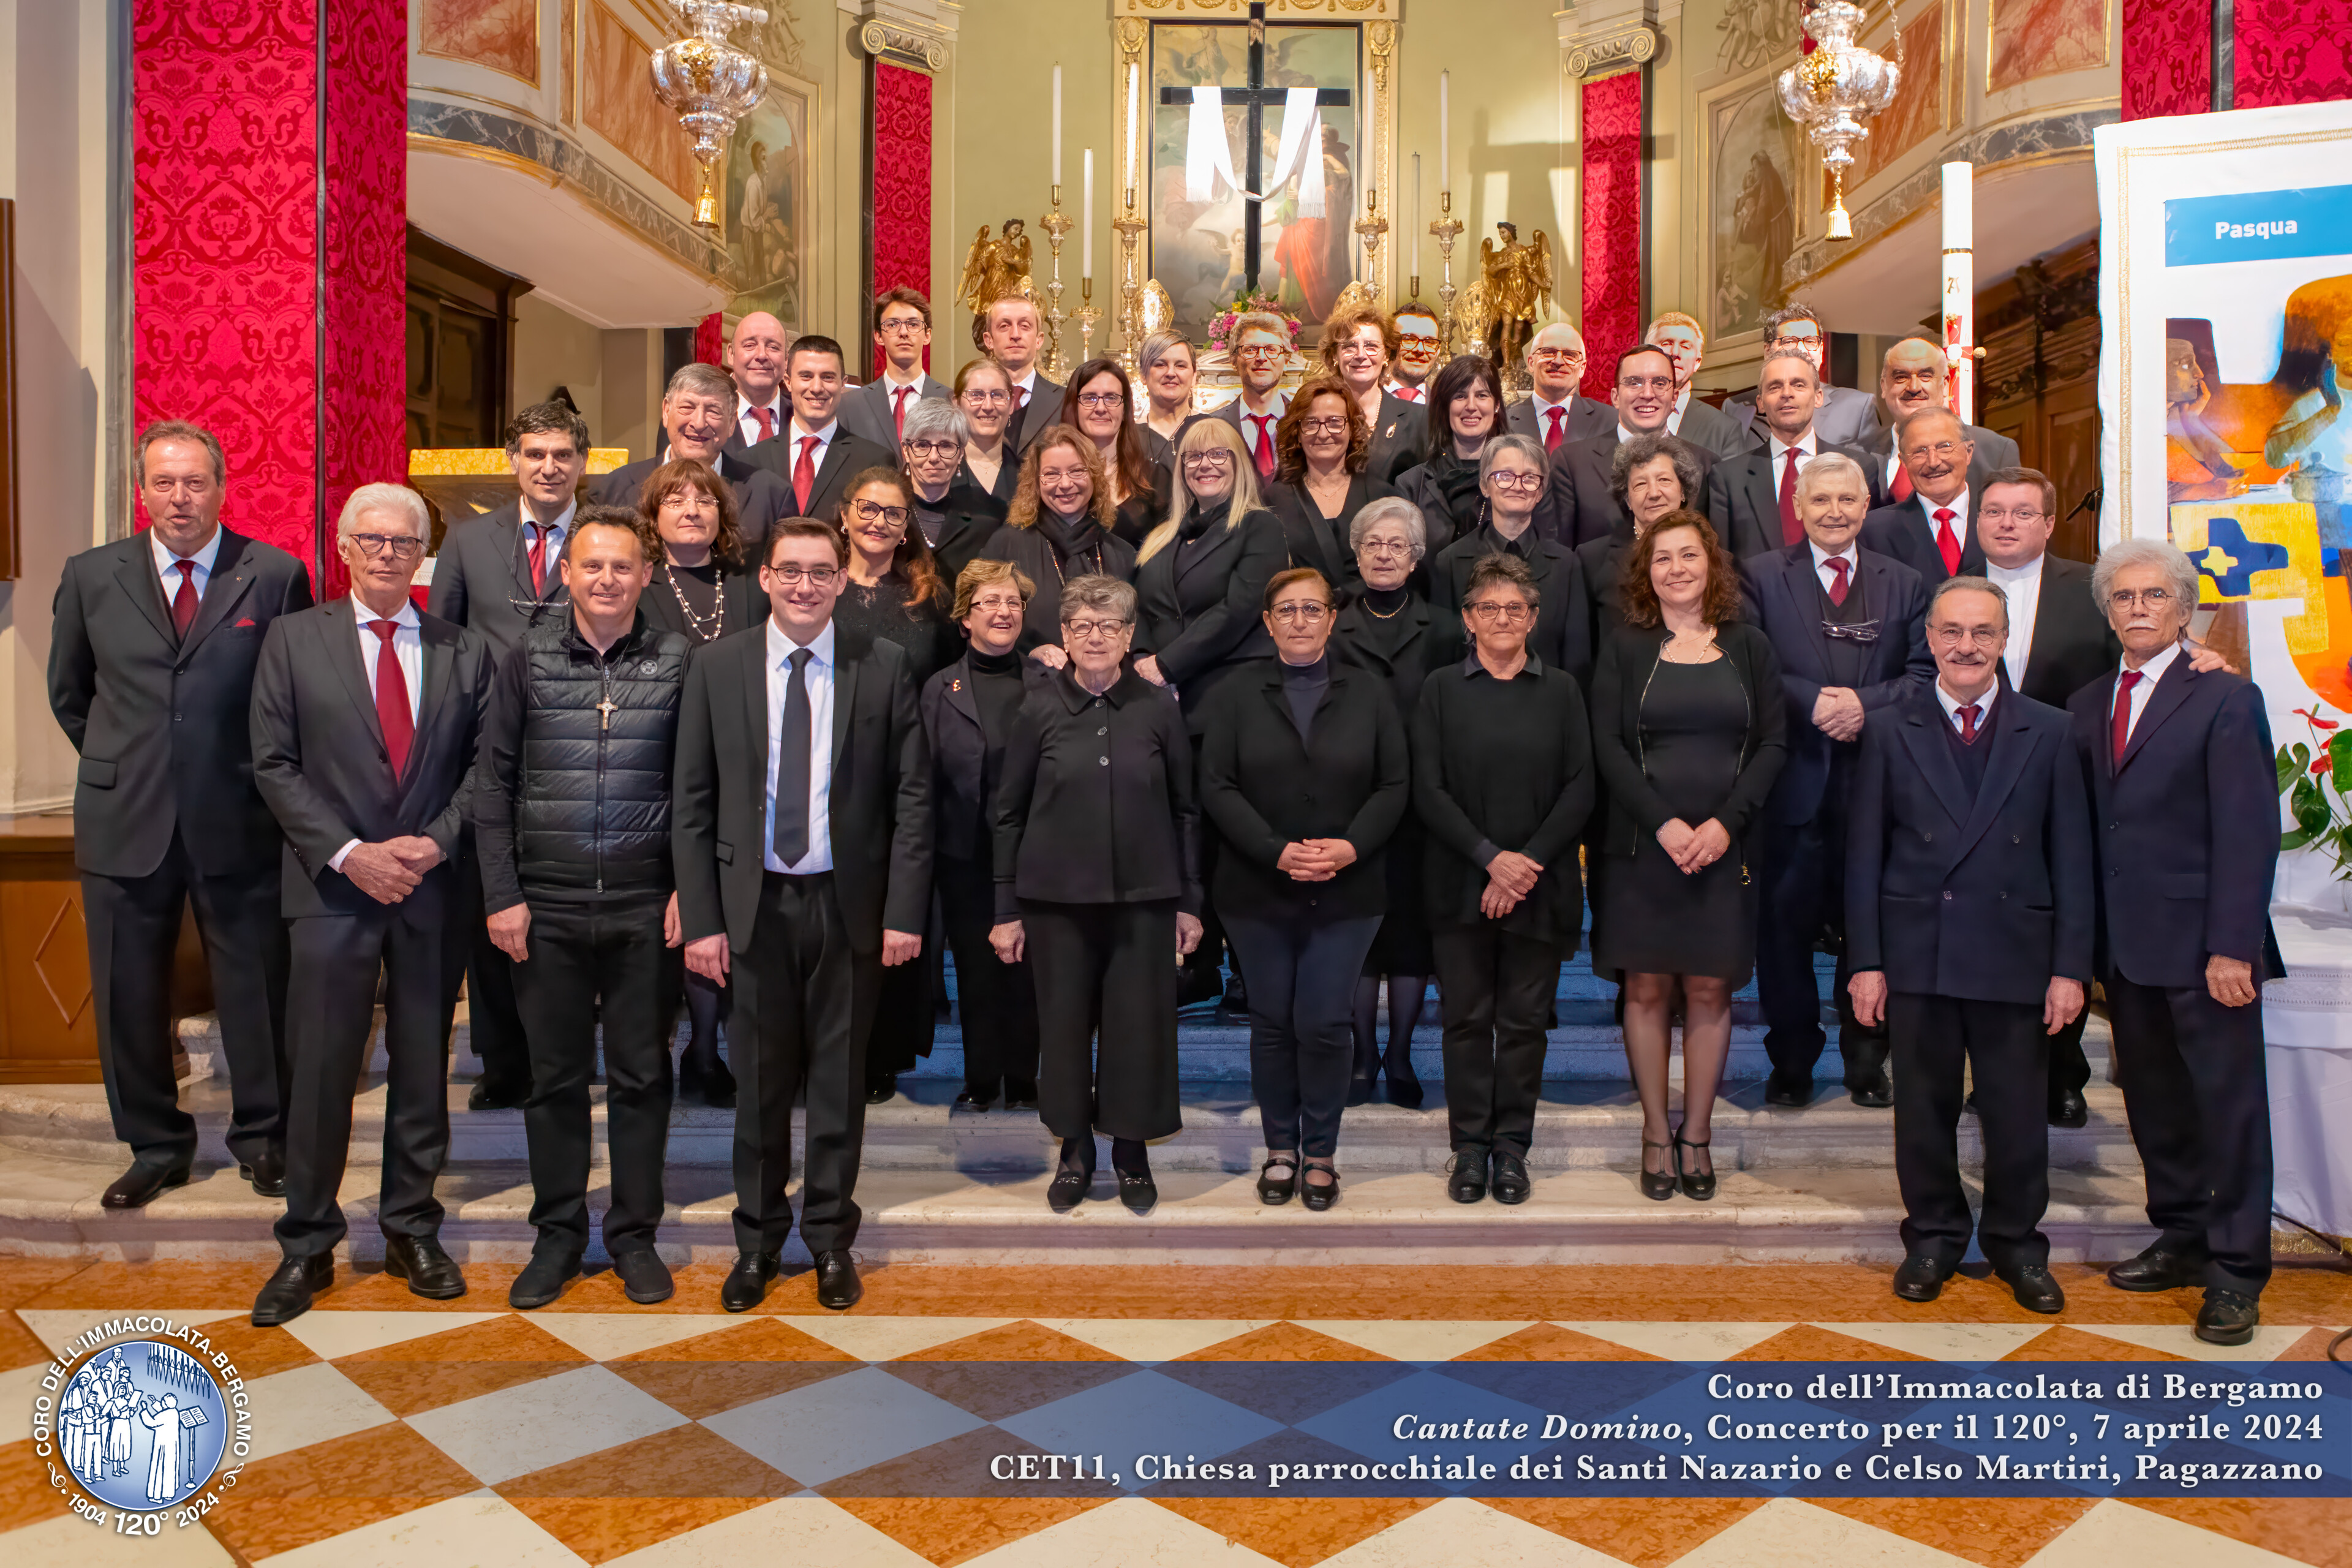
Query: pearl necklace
[695, 623]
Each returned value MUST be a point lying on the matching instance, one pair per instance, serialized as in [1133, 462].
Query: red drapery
[1612, 225]
[709, 338]
[2168, 57]
[2284, 51]
[902, 182]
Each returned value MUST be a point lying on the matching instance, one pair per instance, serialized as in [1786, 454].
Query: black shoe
[430, 1272]
[1876, 1091]
[1319, 1196]
[267, 1172]
[747, 1282]
[489, 1095]
[1404, 1087]
[1657, 1185]
[1237, 999]
[1272, 1189]
[542, 1279]
[2228, 1317]
[1362, 1087]
[879, 1090]
[2035, 1290]
[287, 1295]
[2069, 1110]
[1509, 1184]
[1074, 1177]
[1137, 1191]
[838, 1289]
[1467, 1182]
[1698, 1185]
[644, 1278]
[1198, 983]
[973, 1099]
[2162, 1267]
[1781, 1089]
[713, 1086]
[142, 1184]
[1921, 1278]
[1020, 1096]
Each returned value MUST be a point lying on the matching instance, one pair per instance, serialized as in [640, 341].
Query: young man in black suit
[878, 411]
[813, 454]
[694, 416]
[2183, 784]
[1010, 333]
[1580, 503]
[1969, 915]
[1752, 499]
[151, 673]
[365, 716]
[803, 845]
[1934, 532]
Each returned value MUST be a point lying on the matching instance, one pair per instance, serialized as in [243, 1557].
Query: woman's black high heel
[1404, 1085]
[1698, 1185]
[1270, 1189]
[1658, 1185]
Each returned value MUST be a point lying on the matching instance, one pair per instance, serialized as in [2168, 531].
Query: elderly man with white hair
[365, 717]
[1556, 413]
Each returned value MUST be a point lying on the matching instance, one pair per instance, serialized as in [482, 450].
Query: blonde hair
[979, 574]
[1200, 434]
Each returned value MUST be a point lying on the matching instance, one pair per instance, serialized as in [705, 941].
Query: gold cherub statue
[1517, 279]
[997, 269]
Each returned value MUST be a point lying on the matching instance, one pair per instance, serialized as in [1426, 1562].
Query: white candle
[1086, 234]
[1057, 125]
[1134, 123]
[1417, 229]
[1444, 150]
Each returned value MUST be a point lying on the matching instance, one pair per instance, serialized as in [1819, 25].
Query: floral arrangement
[2316, 780]
[1221, 325]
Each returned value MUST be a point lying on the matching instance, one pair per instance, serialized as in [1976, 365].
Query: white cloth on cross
[1209, 154]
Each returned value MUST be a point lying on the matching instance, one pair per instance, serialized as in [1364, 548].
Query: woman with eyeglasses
[1465, 403]
[1059, 527]
[1166, 364]
[984, 393]
[1385, 629]
[1321, 479]
[1512, 471]
[1359, 343]
[1104, 408]
[1649, 475]
[956, 519]
[968, 713]
[1688, 721]
[1502, 769]
[1303, 775]
[1105, 896]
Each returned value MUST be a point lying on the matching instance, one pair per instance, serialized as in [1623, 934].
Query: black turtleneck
[1303, 686]
[1385, 600]
[1193, 532]
[996, 693]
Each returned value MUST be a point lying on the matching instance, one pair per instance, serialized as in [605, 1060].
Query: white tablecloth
[2307, 1026]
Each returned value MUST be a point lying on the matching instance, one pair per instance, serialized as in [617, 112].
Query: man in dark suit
[694, 416]
[501, 575]
[755, 362]
[150, 672]
[802, 843]
[1849, 628]
[1261, 356]
[2183, 787]
[1694, 419]
[1914, 376]
[1934, 532]
[815, 456]
[1970, 911]
[876, 412]
[365, 716]
[1413, 360]
[1580, 504]
[1013, 334]
[1752, 499]
[1555, 413]
[1845, 411]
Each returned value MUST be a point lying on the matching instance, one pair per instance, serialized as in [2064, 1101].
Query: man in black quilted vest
[571, 810]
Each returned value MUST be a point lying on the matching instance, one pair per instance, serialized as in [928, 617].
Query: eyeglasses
[1301, 614]
[1505, 480]
[905, 326]
[1645, 384]
[1494, 613]
[1087, 631]
[791, 576]
[996, 602]
[875, 512]
[1384, 548]
[1208, 459]
[1946, 450]
[2154, 598]
[1323, 427]
[1952, 636]
[987, 399]
[1556, 356]
[399, 547]
[1259, 354]
[1100, 400]
[932, 449]
[2018, 514]
[1417, 340]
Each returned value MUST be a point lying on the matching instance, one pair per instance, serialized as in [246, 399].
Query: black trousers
[2069, 1069]
[134, 929]
[1805, 891]
[1106, 970]
[493, 1016]
[804, 1006]
[1499, 988]
[330, 1013]
[1301, 976]
[997, 1002]
[2196, 1090]
[1935, 1039]
[610, 949]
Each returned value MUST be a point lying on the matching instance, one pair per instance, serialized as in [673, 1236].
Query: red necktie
[2119, 726]
[184, 602]
[767, 418]
[1557, 434]
[1947, 542]
[537, 559]
[1265, 422]
[1968, 725]
[1791, 529]
[804, 473]
[392, 698]
[1409, 394]
[1841, 567]
[1899, 490]
[899, 410]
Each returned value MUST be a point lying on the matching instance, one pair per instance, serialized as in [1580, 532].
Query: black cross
[1256, 98]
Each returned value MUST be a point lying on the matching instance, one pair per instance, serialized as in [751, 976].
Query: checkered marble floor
[396, 1431]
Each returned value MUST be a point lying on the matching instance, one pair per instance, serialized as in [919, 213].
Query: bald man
[1911, 378]
[1556, 414]
[755, 358]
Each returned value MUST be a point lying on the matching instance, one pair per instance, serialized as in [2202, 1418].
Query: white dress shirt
[818, 677]
[2149, 674]
[525, 521]
[1958, 506]
[795, 434]
[1674, 420]
[1952, 705]
[1024, 390]
[780, 414]
[1808, 445]
[2023, 586]
[1248, 417]
[1567, 406]
[1851, 555]
[167, 564]
[408, 648]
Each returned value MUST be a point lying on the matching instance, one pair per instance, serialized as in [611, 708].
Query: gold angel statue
[996, 269]
[1517, 279]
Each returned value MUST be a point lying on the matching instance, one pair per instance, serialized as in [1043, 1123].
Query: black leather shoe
[1696, 1183]
[1404, 1088]
[1467, 1182]
[1781, 1089]
[1020, 1096]
[142, 1184]
[1657, 1185]
[713, 1086]
[1319, 1196]
[1272, 1189]
[2228, 1317]
[880, 1090]
[430, 1272]
[747, 1283]
[1137, 1191]
[1921, 1278]
[2035, 1290]
[2159, 1267]
[1509, 1182]
[973, 1099]
[645, 1278]
[1069, 1188]
[2069, 1110]
[838, 1289]
[267, 1172]
[488, 1096]
[287, 1295]
[1876, 1091]
[542, 1279]
[1198, 983]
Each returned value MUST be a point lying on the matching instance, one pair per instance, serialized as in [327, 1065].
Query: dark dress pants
[996, 1002]
[1106, 970]
[2069, 1069]
[134, 930]
[1499, 988]
[2003, 1044]
[2198, 1095]
[1301, 977]
[330, 1013]
[610, 949]
[493, 1017]
[804, 1004]
[1805, 891]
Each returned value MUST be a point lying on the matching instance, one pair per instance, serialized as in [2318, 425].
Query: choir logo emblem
[141, 1426]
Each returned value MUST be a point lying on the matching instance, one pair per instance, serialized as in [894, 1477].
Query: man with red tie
[755, 360]
[815, 456]
[1915, 375]
[1556, 414]
[1010, 334]
[1752, 499]
[1934, 532]
[1419, 340]
[366, 719]
[1261, 355]
[876, 412]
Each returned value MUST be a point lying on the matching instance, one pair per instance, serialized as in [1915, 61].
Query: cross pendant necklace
[607, 708]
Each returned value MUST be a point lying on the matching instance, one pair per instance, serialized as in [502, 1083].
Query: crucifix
[1256, 98]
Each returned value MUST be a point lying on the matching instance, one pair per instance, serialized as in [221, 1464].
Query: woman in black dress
[1320, 480]
[1687, 723]
[1102, 407]
[1465, 399]
[1059, 527]
[984, 393]
[1385, 629]
[957, 520]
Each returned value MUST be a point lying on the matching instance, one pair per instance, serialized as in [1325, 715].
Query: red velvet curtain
[2284, 51]
[902, 182]
[710, 338]
[1612, 225]
[2168, 57]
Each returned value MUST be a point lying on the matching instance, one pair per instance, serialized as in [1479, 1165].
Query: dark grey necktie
[792, 840]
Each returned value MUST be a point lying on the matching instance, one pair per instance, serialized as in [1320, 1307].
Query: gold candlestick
[1056, 223]
[1131, 285]
[1087, 318]
[1447, 228]
[1369, 228]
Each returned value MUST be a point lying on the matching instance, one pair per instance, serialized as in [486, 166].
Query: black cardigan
[1629, 656]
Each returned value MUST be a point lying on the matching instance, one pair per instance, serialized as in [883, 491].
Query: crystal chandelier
[1836, 87]
[709, 84]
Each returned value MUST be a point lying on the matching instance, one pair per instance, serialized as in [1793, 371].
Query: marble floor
[394, 1431]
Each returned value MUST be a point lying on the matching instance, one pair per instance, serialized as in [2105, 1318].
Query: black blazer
[1711, 430]
[1784, 598]
[1405, 666]
[1115, 812]
[963, 781]
[1202, 618]
[846, 456]
[319, 756]
[1039, 414]
[740, 602]
[1400, 437]
[1585, 419]
[2073, 643]
[1742, 498]
[1578, 507]
[971, 517]
[1621, 674]
[1313, 540]
[161, 724]
[760, 498]
[1144, 510]
[1984, 899]
[481, 581]
[1440, 525]
[2187, 834]
[1265, 789]
[880, 802]
[1035, 557]
[864, 409]
[1902, 530]
[1562, 637]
